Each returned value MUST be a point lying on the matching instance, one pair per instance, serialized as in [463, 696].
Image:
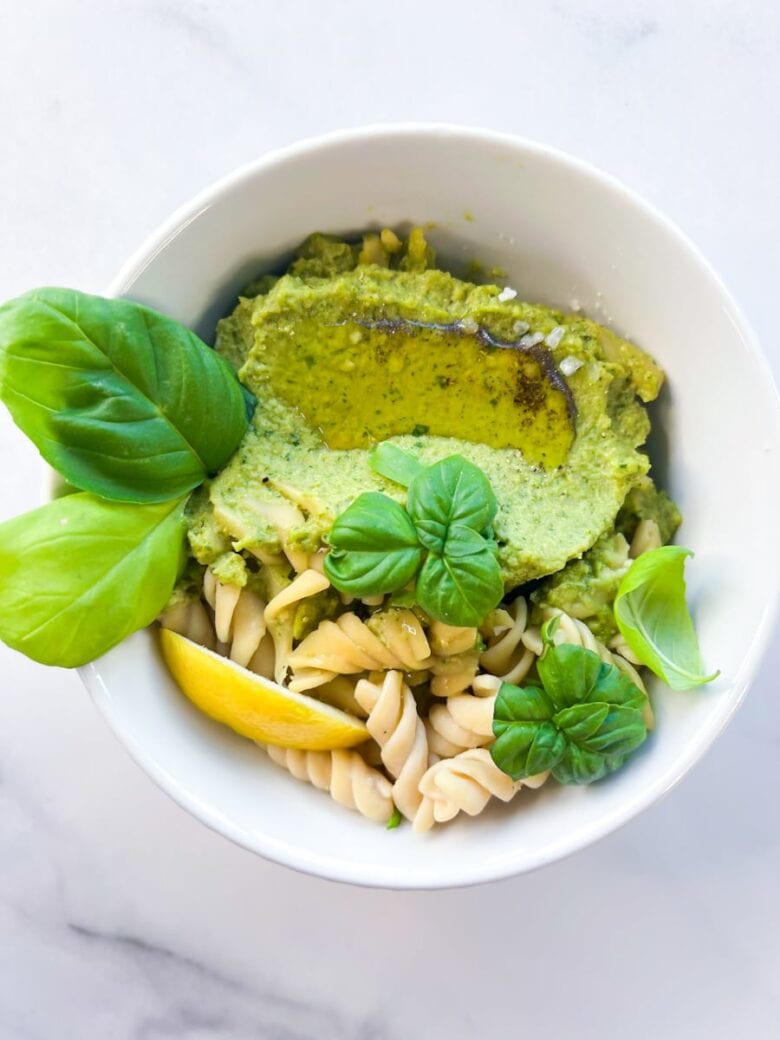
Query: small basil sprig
[119, 399]
[443, 539]
[652, 615]
[581, 724]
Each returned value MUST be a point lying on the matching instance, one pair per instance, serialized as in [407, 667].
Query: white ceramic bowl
[563, 232]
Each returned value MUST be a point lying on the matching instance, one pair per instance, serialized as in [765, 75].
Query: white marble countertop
[122, 917]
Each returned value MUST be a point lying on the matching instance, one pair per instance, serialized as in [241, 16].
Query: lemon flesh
[253, 706]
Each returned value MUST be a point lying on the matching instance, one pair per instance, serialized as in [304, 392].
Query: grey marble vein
[195, 1001]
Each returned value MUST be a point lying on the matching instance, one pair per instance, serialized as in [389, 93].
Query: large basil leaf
[80, 574]
[122, 401]
[373, 547]
[653, 618]
[460, 590]
[453, 491]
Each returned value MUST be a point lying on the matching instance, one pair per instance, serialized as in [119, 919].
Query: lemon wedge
[253, 706]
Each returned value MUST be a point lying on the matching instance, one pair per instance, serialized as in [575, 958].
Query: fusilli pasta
[279, 616]
[239, 618]
[465, 783]
[399, 731]
[647, 536]
[190, 618]
[344, 774]
[506, 655]
[465, 721]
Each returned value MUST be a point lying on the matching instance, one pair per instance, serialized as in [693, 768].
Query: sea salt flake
[507, 294]
[532, 340]
[555, 336]
[569, 365]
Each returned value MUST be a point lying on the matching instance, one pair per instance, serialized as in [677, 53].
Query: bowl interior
[564, 235]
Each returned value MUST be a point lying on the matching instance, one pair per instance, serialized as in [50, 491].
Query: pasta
[647, 536]
[571, 630]
[190, 618]
[344, 774]
[429, 753]
[465, 721]
[279, 616]
[346, 646]
[398, 730]
[507, 656]
[239, 617]
[465, 783]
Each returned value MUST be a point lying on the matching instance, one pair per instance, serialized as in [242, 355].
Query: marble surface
[122, 917]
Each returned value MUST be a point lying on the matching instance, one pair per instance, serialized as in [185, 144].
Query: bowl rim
[381, 876]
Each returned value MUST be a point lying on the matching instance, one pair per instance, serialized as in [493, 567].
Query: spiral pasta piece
[647, 536]
[344, 774]
[279, 616]
[402, 632]
[506, 655]
[190, 619]
[452, 675]
[394, 724]
[239, 618]
[348, 646]
[465, 783]
[464, 721]
[446, 640]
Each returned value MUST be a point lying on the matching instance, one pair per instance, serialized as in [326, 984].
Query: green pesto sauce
[358, 384]
[316, 348]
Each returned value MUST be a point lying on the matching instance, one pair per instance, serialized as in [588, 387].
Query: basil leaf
[569, 673]
[581, 721]
[460, 590]
[622, 730]
[573, 675]
[527, 742]
[462, 541]
[580, 766]
[120, 400]
[373, 547]
[80, 574]
[403, 598]
[615, 687]
[395, 820]
[653, 618]
[392, 462]
[453, 491]
[589, 713]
